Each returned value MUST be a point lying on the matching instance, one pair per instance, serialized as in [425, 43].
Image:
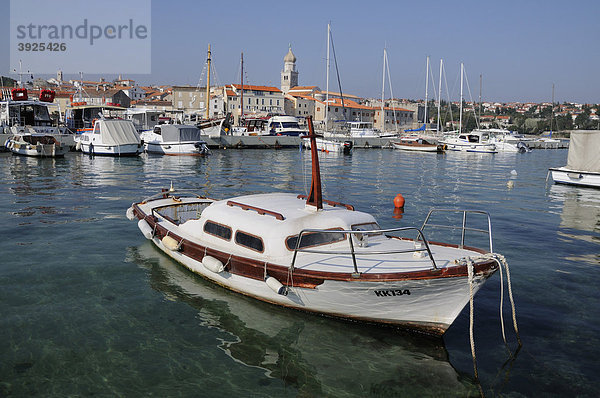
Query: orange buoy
[399, 201]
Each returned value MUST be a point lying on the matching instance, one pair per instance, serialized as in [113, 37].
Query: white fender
[213, 264]
[78, 146]
[146, 229]
[130, 214]
[170, 243]
[275, 285]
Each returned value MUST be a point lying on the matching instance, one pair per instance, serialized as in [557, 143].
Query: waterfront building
[189, 99]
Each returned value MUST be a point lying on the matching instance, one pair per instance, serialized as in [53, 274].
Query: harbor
[84, 315]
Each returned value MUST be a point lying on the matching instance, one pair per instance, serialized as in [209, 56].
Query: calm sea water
[89, 307]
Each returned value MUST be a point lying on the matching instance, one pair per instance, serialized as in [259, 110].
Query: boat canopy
[583, 151]
[180, 133]
[118, 132]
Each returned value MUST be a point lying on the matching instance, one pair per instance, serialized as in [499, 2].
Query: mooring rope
[501, 261]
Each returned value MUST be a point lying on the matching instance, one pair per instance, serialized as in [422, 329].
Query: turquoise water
[89, 307]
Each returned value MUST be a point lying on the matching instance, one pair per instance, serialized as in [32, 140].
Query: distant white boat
[418, 144]
[475, 141]
[113, 137]
[174, 139]
[37, 145]
[583, 161]
[508, 141]
[325, 145]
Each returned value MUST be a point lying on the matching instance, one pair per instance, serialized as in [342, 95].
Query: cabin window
[314, 239]
[219, 230]
[250, 241]
[157, 130]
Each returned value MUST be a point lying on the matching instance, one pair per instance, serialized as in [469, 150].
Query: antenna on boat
[315, 198]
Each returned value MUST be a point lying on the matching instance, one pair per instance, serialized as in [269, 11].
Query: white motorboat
[285, 125]
[418, 144]
[583, 161]
[508, 141]
[475, 141]
[325, 145]
[319, 256]
[37, 145]
[174, 139]
[20, 114]
[113, 137]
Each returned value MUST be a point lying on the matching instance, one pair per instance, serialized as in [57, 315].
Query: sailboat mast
[383, 91]
[461, 97]
[242, 92]
[426, 92]
[208, 84]
[440, 96]
[327, 80]
[552, 110]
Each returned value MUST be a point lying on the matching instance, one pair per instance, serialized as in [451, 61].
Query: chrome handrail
[352, 251]
[463, 226]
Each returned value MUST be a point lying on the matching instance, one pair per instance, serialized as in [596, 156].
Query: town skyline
[513, 46]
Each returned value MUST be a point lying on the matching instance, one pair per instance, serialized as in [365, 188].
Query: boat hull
[425, 299]
[573, 177]
[175, 148]
[417, 147]
[112, 150]
[429, 305]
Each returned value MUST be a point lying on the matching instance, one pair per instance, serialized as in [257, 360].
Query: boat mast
[461, 97]
[439, 96]
[383, 91]
[426, 92]
[315, 198]
[242, 93]
[552, 110]
[208, 84]
[327, 80]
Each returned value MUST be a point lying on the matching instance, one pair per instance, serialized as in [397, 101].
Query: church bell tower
[289, 74]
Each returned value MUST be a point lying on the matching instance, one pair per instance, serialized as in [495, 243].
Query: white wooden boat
[418, 144]
[318, 256]
[174, 139]
[583, 161]
[112, 137]
[37, 145]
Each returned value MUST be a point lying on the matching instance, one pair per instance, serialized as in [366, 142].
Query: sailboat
[417, 139]
[476, 140]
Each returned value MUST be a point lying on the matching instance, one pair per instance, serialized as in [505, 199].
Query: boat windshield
[30, 115]
[312, 239]
[290, 125]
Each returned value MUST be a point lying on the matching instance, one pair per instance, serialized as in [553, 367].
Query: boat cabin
[82, 116]
[244, 226]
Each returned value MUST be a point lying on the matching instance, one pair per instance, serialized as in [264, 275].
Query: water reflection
[315, 355]
[579, 218]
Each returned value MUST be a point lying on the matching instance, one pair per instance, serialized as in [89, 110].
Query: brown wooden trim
[255, 269]
[260, 211]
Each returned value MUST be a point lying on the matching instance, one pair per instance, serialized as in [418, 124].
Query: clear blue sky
[520, 47]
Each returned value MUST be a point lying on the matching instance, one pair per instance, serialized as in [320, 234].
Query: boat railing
[174, 194]
[463, 227]
[361, 236]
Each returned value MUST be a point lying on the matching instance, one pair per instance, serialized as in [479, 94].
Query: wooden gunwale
[255, 269]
